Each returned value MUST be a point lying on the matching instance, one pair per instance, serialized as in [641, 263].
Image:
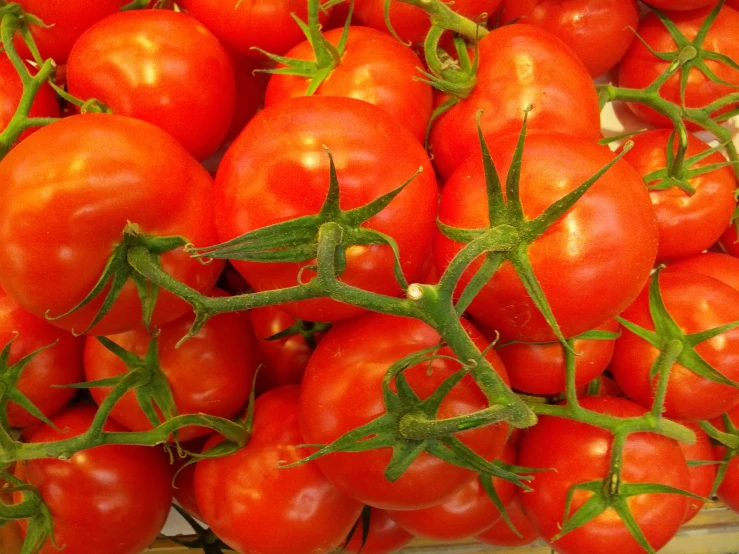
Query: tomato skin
[59, 365]
[728, 491]
[341, 391]
[730, 242]
[593, 242]
[384, 536]
[639, 68]
[362, 139]
[112, 499]
[518, 65]
[681, 4]
[596, 30]
[211, 373]
[501, 535]
[468, 512]
[581, 453]
[375, 68]
[697, 303]
[701, 477]
[256, 507]
[723, 267]
[106, 170]
[250, 90]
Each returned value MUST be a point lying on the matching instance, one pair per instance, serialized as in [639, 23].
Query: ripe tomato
[342, 390]
[519, 65]
[211, 373]
[680, 4]
[162, 67]
[729, 241]
[719, 266]
[375, 68]
[580, 453]
[59, 365]
[63, 214]
[500, 533]
[697, 303]
[256, 507]
[639, 67]
[728, 491]
[702, 476]
[596, 30]
[468, 512]
[111, 499]
[373, 155]
[384, 536]
[592, 248]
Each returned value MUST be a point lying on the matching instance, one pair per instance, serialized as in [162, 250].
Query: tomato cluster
[337, 275]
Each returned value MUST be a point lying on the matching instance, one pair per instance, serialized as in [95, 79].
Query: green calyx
[40, 526]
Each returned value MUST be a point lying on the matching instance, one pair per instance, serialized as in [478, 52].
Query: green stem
[419, 427]
[662, 367]
[443, 16]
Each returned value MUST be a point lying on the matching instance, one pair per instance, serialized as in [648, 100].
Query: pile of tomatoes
[336, 275]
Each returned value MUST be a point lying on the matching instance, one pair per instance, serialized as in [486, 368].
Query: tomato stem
[443, 16]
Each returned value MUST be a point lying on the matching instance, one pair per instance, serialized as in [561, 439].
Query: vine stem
[443, 16]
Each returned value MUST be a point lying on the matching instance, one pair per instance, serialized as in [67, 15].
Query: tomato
[500, 533]
[265, 24]
[681, 4]
[540, 368]
[211, 373]
[162, 67]
[375, 68]
[373, 155]
[412, 23]
[580, 453]
[61, 364]
[384, 535]
[697, 303]
[719, 266]
[111, 499]
[468, 512]
[519, 65]
[256, 507]
[250, 88]
[639, 68]
[11, 88]
[342, 390]
[728, 491]
[702, 476]
[63, 214]
[184, 488]
[688, 223]
[729, 241]
[592, 248]
[596, 30]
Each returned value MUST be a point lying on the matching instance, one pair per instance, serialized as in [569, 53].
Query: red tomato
[728, 491]
[719, 266]
[384, 536]
[592, 248]
[500, 533]
[639, 67]
[106, 170]
[729, 241]
[468, 512]
[111, 499]
[162, 67]
[580, 453]
[256, 507]
[250, 89]
[596, 30]
[211, 373]
[373, 155]
[688, 224]
[681, 4]
[697, 303]
[11, 88]
[703, 476]
[519, 65]
[375, 68]
[265, 24]
[59, 365]
[184, 488]
[342, 390]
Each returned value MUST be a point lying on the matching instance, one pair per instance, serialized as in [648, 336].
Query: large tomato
[342, 390]
[111, 499]
[520, 65]
[63, 213]
[162, 67]
[278, 170]
[254, 506]
[579, 453]
[723, 267]
[592, 248]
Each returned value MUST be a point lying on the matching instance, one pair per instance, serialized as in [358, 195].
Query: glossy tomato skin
[598, 31]
[341, 391]
[688, 224]
[730, 242]
[702, 476]
[375, 68]
[112, 499]
[254, 506]
[61, 364]
[63, 214]
[697, 303]
[384, 536]
[468, 512]
[639, 68]
[500, 534]
[278, 170]
[519, 65]
[723, 267]
[681, 4]
[589, 249]
[580, 453]
[211, 373]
